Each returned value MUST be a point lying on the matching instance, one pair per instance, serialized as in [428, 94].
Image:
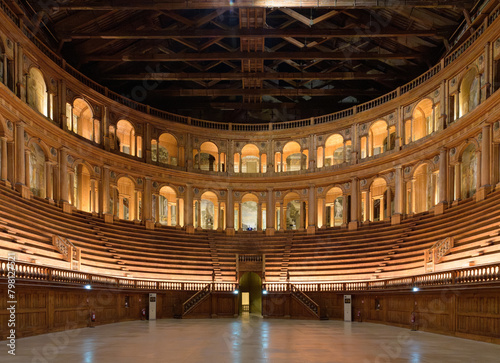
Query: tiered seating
[128, 249]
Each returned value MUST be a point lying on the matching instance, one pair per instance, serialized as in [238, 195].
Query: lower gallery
[365, 234]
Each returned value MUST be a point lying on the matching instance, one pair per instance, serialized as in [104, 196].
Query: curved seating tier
[128, 249]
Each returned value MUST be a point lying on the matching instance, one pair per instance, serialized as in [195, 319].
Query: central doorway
[251, 293]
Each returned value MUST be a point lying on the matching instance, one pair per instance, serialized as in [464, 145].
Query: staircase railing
[435, 254]
[70, 253]
[194, 300]
[309, 303]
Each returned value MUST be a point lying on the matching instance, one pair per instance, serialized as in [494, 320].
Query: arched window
[468, 170]
[377, 138]
[126, 140]
[293, 157]
[378, 200]
[425, 188]
[249, 212]
[167, 150]
[207, 157]
[37, 171]
[126, 199]
[37, 91]
[168, 213]
[82, 121]
[207, 211]
[250, 159]
[334, 150]
[469, 96]
[294, 216]
[84, 192]
[422, 122]
[334, 207]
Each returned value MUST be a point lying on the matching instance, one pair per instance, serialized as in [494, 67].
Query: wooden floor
[247, 339]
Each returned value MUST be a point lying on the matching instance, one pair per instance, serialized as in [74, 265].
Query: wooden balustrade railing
[195, 299]
[244, 127]
[306, 300]
[469, 275]
[70, 252]
[435, 254]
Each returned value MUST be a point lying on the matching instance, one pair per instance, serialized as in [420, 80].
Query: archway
[334, 207]
[469, 96]
[377, 138]
[37, 170]
[249, 213]
[250, 293]
[168, 206]
[468, 171]
[37, 91]
[334, 150]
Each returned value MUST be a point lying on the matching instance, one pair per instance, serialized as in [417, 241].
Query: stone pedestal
[439, 208]
[230, 232]
[190, 229]
[353, 226]
[67, 208]
[269, 231]
[311, 230]
[396, 219]
[24, 191]
[150, 224]
[108, 218]
[482, 193]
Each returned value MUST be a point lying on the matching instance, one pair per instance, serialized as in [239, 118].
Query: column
[93, 197]
[63, 175]
[259, 216]
[444, 106]
[413, 195]
[443, 170]
[355, 204]
[3, 172]
[177, 211]
[188, 208]
[344, 210]
[105, 190]
[121, 211]
[20, 158]
[282, 216]
[157, 208]
[312, 210]
[199, 214]
[324, 213]
[398, 195]
[147, 202]
[136, 205]
[230, 212]
[240, 224]
[270, 212]
[389, 203]
[72, 187]
[49, 190]
[485, 156]
[27, 154]
[458, 185]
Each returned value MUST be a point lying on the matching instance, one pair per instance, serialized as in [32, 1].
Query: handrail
[195, 299]
[306, 300]
[435, 254]
[256, 127]
[469, 275]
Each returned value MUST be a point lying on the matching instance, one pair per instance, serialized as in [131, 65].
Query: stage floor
[247, 339]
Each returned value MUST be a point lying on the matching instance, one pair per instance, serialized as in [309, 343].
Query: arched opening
[378, 200]
[168, 207]
[249, 212]
[166, 151]
[207, 158]
[468, 170]
[208, 210]
[334, 207]
[294, 158]
[334, 150]
[250, 286]
[422, 122]
[126, 199]
[250, 159]
[37, 170]
[377, 138]
[425, 188]
[37, 91]
[294, 213]
[469, 96]
[83, 188]
[83, 122]
[125, 138]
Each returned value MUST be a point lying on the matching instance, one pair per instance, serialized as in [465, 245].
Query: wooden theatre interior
[299, 152]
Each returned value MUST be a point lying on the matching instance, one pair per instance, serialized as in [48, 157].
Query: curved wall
[425, 146]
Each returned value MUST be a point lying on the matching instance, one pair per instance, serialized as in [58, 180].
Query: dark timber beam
[213, 4]
[180, 57]
[250, 33]
[264, 92]
[234, 76]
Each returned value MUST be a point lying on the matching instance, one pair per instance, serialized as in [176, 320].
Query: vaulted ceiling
[253, 60]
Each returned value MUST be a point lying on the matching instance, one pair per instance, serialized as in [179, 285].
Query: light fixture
[236, 292]
[415, 289]
[88, 287]
[264, 292]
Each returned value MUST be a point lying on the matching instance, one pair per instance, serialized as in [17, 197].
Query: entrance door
[251, 288]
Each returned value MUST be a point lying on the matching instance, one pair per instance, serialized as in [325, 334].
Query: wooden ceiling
[252, 60]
